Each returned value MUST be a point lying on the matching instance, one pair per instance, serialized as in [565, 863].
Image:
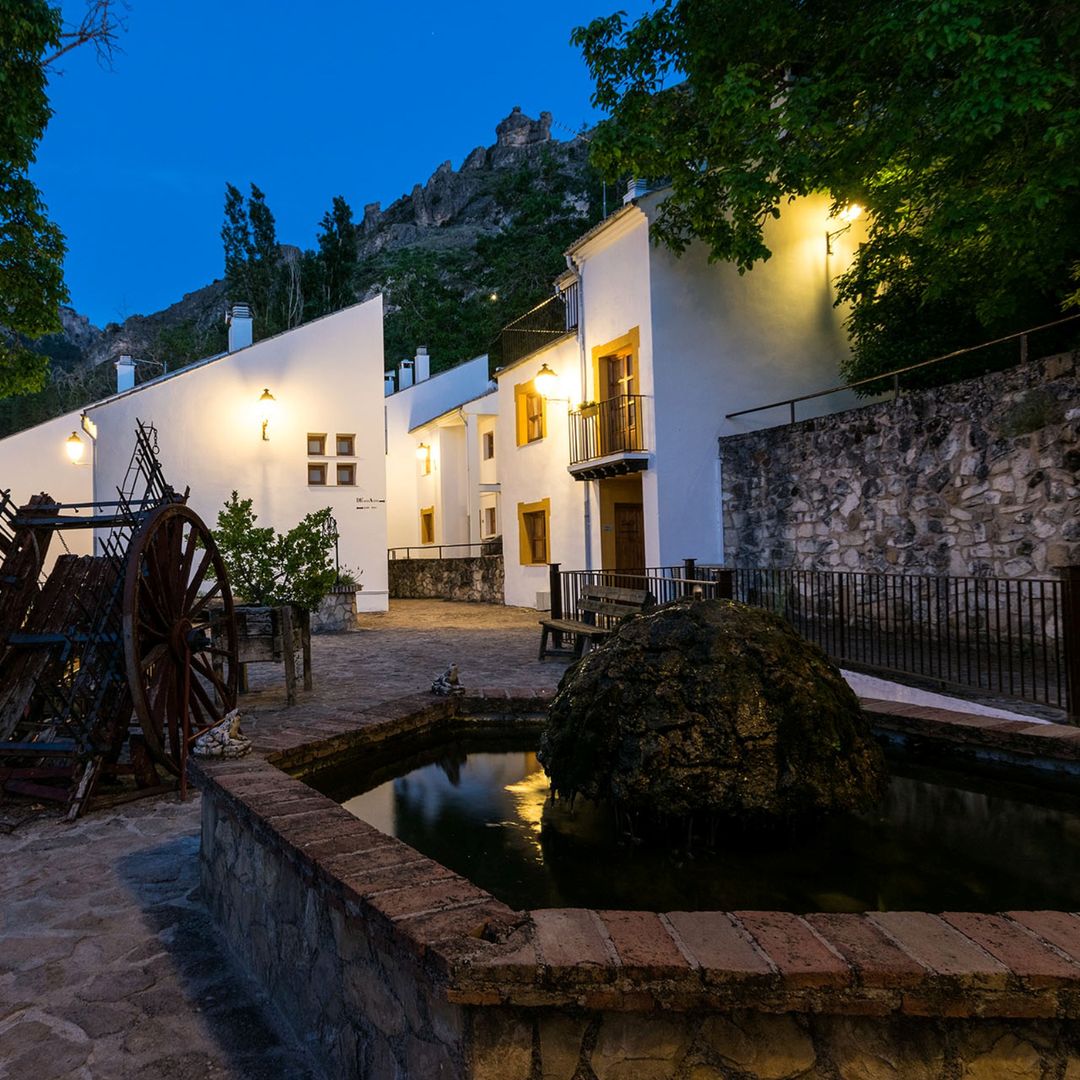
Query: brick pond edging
[391, 965]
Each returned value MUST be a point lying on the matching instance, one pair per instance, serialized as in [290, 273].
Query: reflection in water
[936, 843]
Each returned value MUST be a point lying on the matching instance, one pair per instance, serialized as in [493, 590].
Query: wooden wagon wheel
[183, 677]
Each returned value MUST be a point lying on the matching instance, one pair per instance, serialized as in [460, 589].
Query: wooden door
[630, 538]
[618, 387]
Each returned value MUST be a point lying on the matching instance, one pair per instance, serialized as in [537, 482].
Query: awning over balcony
[613, 465]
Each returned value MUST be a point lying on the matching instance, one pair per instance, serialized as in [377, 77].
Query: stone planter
[337, 612]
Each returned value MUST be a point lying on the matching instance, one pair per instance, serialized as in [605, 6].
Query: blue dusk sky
[308, 100]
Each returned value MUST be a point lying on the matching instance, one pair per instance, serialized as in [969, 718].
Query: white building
[440, 458]
[618, 469]
[292, 422]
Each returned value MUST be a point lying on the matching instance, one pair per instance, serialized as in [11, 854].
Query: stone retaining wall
[391, 965]
[478, 579]
[975, 478]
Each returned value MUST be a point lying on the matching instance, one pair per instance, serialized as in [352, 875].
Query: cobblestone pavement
[109, 965]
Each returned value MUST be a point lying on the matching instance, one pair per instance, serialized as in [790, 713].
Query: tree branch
[102, 23]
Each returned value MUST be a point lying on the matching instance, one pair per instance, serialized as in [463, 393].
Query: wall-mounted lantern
[423, 455]
[849, 214]
[546, 382]
[267, 407]
[75, 448]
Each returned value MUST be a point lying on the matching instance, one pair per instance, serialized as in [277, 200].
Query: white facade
[694, 341]
[325, 379]
[434, 466]
[532, 473]
[36, 461]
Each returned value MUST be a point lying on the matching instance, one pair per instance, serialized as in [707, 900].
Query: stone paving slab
[110, 968]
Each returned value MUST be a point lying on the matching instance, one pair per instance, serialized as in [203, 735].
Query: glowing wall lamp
[849, 214]
[423, 455]
[546, 382]
[267, 408]
[75, 448]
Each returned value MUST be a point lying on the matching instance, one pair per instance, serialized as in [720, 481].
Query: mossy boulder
[711, 710]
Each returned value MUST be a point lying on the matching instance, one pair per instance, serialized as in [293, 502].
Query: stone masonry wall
[360, 1002]
[977, 478]
[337, 612]
[548, 1044]
[478, 579]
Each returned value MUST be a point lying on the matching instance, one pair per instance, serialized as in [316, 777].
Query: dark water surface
[938, 842]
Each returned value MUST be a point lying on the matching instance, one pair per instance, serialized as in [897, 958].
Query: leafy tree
[31, 246]
[236, 239]
[266, 567]
[257, 270]
[33, 36]
[337, 257]
[956, 123]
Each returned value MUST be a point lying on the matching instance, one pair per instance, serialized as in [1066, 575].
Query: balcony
[607, 438]
[536, 329]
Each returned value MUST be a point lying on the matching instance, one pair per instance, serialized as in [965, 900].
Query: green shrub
[266, 568]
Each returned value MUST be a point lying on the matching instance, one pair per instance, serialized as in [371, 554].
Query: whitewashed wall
[326, 376]
[615, 274]
[479, 416]
[538, 471]
[723, 342]
[452, 467]
[36, 461]
[406, 410]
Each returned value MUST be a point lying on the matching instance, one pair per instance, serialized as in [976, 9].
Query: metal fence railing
[1013, 638]
[447, 551]
[540, 326]
[894, 381]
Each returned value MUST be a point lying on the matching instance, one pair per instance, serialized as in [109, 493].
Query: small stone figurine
[224, 740]
[447, 684]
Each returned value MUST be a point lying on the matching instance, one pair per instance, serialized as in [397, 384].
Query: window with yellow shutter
[534, 530]
[531, 414]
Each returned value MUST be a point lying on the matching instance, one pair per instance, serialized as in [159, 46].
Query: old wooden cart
[108, 665]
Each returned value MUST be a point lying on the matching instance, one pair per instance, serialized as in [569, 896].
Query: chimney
[389, 383]
[239, 320]
[125, 374]
[635, 188]
[405, 374]
[422, 364]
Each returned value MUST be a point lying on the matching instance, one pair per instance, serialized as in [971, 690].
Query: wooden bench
[607, 602]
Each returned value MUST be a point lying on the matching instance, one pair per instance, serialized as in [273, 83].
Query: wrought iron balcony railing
[602, 428]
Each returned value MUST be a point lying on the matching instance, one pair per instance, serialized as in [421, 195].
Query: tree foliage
[334, 263]
[266, 567]
[31, 246]
[33, 36]
[284, 286]
[257, 270]
[956, 123]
